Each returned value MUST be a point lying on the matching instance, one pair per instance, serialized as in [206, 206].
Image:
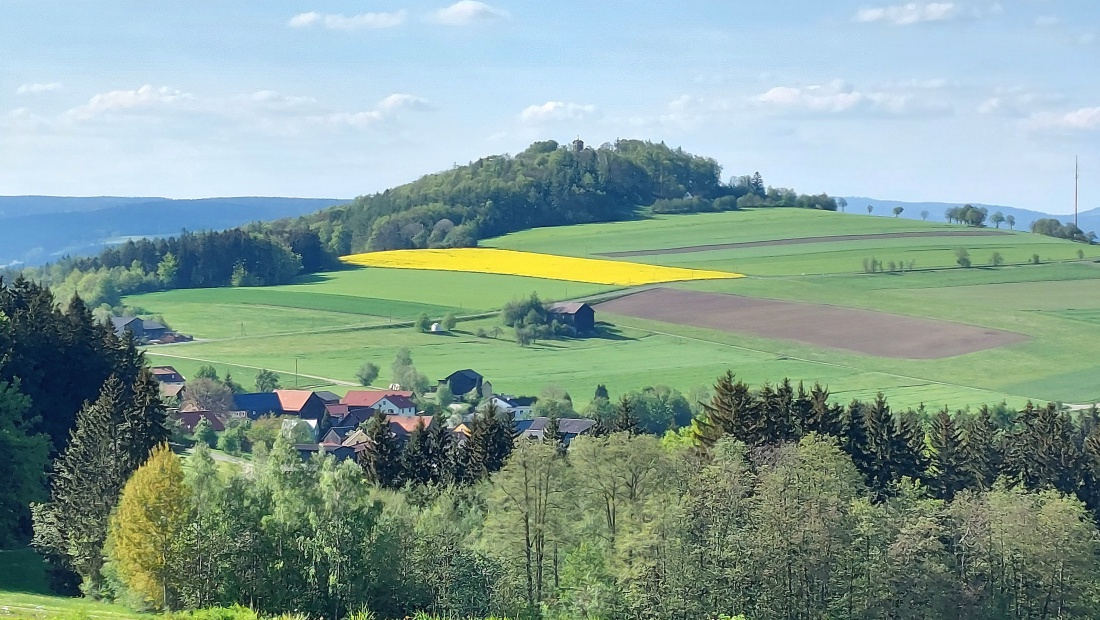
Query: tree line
[765, 507]
[191, 260]
[548, 184]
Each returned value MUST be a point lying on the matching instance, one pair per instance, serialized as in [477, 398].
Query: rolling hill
[37, 229]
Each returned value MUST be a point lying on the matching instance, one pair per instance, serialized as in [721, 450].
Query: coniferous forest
[776, 502]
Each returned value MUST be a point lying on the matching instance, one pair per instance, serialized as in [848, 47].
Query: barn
[579, 316]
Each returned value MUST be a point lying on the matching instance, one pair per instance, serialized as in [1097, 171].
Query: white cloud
[1084, 119]
[143, 98]
[1018, 102]
[466, 13]
[363, 21]
[35, 89]
[556, 111]
[911, 13]
[1047, 21]
[839, 97]
[389, 107]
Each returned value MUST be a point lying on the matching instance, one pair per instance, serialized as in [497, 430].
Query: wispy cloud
[1084, 119]
[466, 13]
[144, 98]
[363, 21]
[911, 13]
[265, 111]
[833, 97]
[556, 111]
[34, 89]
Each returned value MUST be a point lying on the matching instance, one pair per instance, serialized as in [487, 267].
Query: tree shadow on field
[607, 331]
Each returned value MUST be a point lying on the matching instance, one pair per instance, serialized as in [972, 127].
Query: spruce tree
[982, 448]
[417, 459]
[729, 412]
[948, 471]
[1041, 452]
[818, 415]
[381, 460]
[70, 530]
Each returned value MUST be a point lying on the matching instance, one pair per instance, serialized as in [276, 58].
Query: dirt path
[977, 232]
[867, 332]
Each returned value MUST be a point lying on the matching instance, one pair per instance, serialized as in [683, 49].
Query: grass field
[24, 593]
[331, 324]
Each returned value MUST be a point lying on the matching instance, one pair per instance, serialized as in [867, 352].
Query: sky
[961, 101]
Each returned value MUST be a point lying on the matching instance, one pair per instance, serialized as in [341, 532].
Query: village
[335, 425]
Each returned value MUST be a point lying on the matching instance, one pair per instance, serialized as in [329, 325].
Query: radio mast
[1076, 183]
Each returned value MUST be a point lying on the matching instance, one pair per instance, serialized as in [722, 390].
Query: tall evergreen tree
[948, 472]
[417, 459]
[1041, 452]
[381, 460]
[818, 415]
[731, 412]
[70, 530]
[982, 448]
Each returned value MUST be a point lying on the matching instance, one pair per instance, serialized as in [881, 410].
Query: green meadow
[330, 324]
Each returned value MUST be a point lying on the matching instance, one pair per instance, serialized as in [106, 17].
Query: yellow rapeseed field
[530, 264]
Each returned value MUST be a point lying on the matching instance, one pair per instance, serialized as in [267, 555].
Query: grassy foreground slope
[1054, 303]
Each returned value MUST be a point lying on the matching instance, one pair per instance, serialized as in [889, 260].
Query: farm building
[302, 403]
[258, 405]
[167, 374]
[463, 382]
[568, 428]
[140, 328]
[579, 316]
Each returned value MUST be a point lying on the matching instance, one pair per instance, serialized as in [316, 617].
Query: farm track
[805, 240]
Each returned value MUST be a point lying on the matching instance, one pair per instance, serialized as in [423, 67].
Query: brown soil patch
[977, 232]
[863, 331]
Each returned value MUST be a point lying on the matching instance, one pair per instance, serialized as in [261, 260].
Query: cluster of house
[146, 331]
[336, 422]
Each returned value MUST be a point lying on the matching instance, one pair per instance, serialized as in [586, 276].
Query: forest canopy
[548, 184]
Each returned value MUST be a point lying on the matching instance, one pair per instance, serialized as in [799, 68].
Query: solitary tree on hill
[924, 215]
[898, 211]
[870, 208]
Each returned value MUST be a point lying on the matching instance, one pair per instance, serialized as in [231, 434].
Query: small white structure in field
[437, 328]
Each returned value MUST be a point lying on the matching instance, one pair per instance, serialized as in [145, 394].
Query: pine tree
[948, 471]
[440, 450]
[152, 515]
[381, 460]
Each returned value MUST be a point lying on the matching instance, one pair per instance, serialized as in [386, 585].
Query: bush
[449, 322]
[367, 373]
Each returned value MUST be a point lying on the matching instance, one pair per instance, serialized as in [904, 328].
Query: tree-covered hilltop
[548, 184]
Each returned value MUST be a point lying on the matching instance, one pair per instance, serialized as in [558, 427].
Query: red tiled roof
[370, 398]
[293, 400]
[408, 423]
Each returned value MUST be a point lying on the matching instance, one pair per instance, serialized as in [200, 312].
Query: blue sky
[954, 101]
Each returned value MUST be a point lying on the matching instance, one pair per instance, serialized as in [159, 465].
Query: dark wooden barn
[579, 316]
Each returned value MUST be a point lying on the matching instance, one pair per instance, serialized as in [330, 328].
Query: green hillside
[333, 323]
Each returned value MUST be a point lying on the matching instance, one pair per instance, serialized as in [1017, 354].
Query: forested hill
[548, 184]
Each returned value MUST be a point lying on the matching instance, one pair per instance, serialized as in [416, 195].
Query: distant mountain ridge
[39, 229]
[1087, 220]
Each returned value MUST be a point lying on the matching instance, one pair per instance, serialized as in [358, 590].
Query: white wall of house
[389, 408]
